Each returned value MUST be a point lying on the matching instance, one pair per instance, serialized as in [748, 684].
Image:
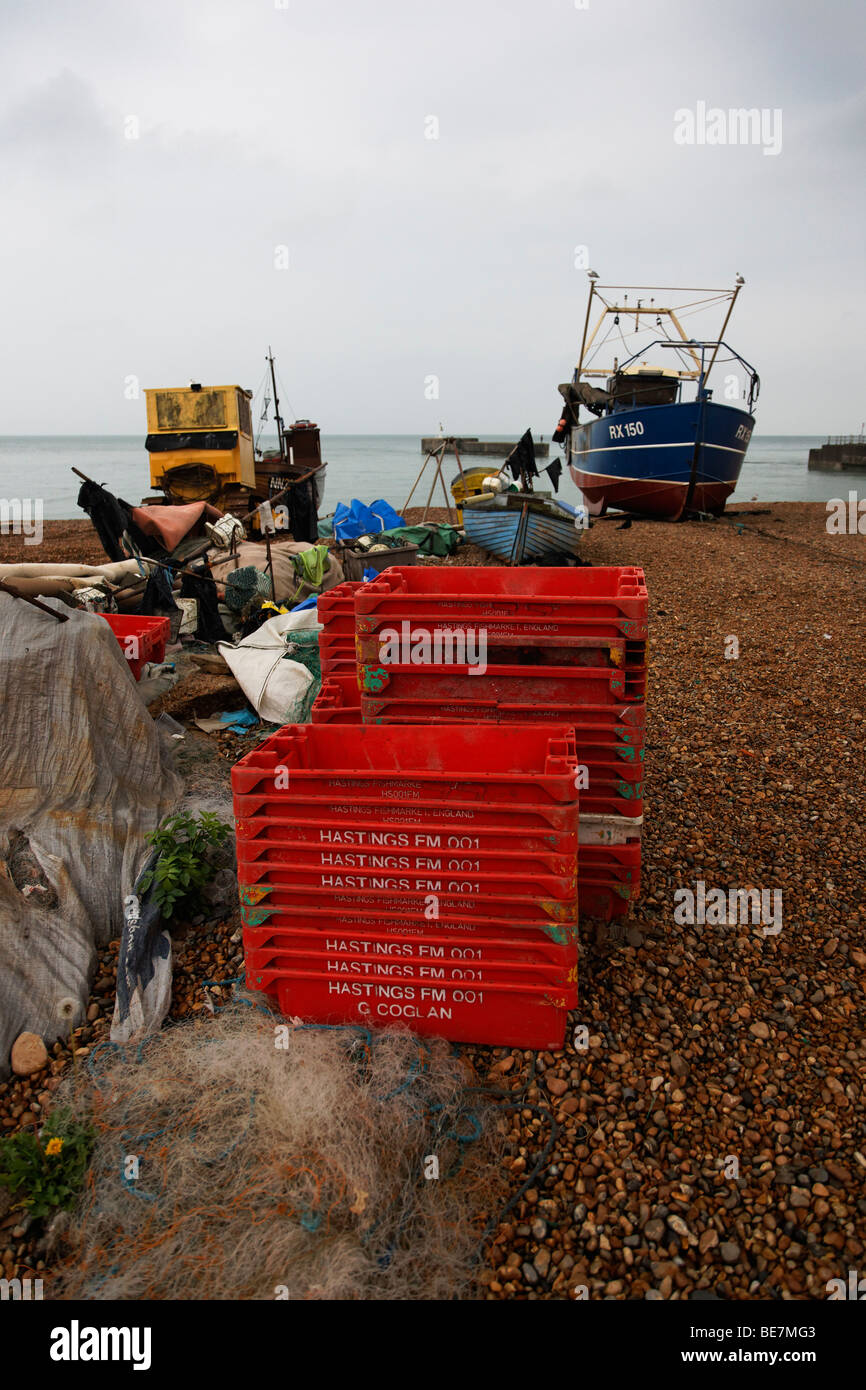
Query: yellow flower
[53, 1147]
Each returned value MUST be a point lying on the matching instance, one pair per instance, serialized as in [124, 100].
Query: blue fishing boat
[524, 527]
[646, 448]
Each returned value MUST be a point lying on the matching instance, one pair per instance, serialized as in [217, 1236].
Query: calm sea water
[366, 466]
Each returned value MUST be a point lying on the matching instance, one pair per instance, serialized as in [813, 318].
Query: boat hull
[521, 539]
[641, 460]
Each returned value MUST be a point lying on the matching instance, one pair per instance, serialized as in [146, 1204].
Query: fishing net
[241, 1157]
[245, 585]
[303, 647]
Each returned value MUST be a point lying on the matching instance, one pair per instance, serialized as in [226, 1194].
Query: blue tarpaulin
[362, 520]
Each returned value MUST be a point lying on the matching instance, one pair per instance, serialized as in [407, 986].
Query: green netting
[303, 647]
[245, 584]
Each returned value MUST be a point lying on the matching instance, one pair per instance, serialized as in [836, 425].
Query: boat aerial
[648, 448]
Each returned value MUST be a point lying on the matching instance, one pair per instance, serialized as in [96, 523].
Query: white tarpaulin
[84, 776]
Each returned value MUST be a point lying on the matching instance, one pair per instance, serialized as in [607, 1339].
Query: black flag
[522, 458]
[553, 471]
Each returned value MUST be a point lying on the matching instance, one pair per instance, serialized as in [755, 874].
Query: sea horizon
[367, 466]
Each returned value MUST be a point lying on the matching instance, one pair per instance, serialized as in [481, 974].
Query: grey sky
[304, 126]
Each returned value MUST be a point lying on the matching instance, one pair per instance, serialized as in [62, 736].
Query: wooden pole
[432, 485]
[418, 479]
[34, 602]
[445, 493]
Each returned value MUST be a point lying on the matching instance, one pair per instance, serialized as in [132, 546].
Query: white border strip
[617, 448]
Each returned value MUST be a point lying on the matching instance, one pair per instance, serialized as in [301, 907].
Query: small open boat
[523, 527]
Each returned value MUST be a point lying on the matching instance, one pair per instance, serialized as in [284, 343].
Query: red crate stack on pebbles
[525, 645]
[336, 613]
[429, 882]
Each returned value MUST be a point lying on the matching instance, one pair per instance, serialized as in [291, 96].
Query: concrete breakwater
[839, 455]
[469, 444]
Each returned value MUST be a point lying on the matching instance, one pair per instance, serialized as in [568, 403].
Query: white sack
[271, 683]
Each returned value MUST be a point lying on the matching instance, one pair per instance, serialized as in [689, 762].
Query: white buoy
[493, 483]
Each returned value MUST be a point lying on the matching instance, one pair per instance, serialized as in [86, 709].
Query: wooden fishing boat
[523, 527]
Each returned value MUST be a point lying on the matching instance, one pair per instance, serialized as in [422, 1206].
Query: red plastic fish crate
[561, 601]
[261, 808]
[336, 646]
[339, 666]
[336, 609]
[338, 700]
[501, 1015]
[337, 657]
[141, 638]
[532, 686]
[259, 912]
[295, 892]
[627, 723]
[542, 866]
[442, 636]
[426, 832]
[370, 942]
[475, 765]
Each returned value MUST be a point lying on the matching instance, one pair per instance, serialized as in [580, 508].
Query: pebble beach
[707, 1133]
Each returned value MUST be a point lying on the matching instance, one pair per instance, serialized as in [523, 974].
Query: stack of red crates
[336, 613]
[424, 882]
[562, 646]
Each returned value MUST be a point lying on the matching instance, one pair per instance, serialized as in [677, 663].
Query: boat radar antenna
[270, 359]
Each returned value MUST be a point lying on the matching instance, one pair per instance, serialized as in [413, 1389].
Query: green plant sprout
[185, 846]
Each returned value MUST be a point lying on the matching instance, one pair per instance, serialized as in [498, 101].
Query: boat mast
[277, 407]
[738, 284]
[592, 279]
